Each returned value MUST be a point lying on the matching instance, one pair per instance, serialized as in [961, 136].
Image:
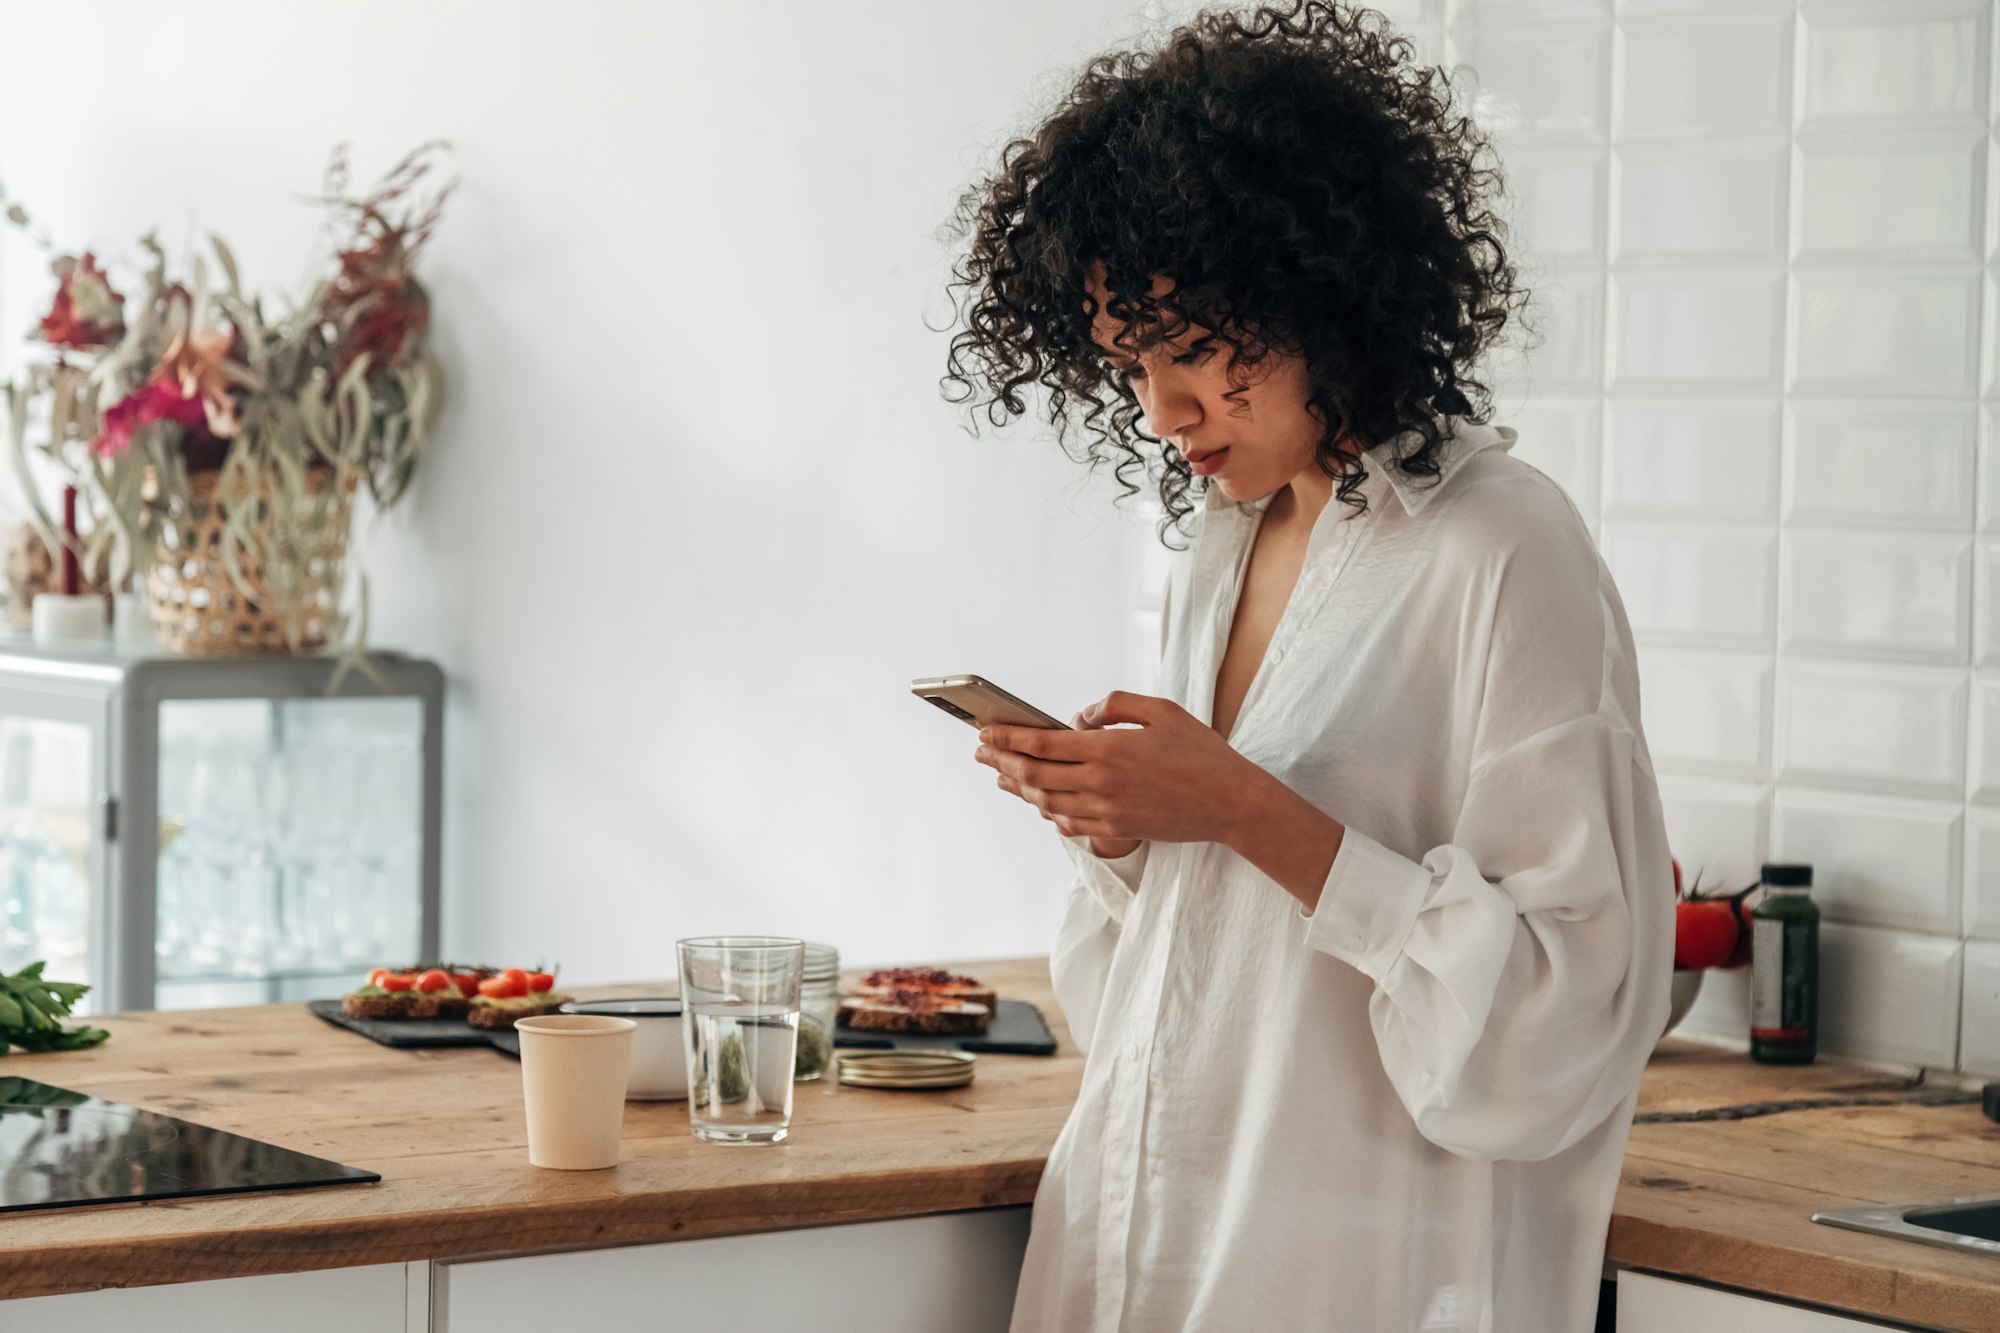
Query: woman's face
[1250, 445]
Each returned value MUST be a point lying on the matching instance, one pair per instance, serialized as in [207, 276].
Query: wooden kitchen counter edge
[514, 1229]
[1723, 1202]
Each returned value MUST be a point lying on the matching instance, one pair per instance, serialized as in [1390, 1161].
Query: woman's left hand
[1166, 777]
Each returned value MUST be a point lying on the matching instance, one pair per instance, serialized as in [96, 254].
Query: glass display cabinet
[188, 832]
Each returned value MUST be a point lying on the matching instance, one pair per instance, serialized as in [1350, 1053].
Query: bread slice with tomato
[512, 995]
[405, 994]
[919, 999]
[896, 985]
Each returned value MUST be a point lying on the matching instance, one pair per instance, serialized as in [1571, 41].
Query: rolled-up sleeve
[1080, 963]
[1111, 882]
[1520, 970]
[1521, 965]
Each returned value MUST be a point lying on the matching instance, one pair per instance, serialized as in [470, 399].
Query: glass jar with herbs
[819, 1007]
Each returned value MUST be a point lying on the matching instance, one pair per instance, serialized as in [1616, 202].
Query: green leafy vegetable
[32, 1010]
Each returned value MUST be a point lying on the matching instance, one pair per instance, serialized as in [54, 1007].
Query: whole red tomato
[1705, 932]
[1740, 955]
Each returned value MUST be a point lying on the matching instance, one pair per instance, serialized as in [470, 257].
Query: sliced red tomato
[540, 981]
[467, 983]
[519, 974]
[433, 980]
[398, 981]
[504, 987]
[375, 977]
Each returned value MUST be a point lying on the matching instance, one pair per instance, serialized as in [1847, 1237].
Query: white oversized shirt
[1406, 1110]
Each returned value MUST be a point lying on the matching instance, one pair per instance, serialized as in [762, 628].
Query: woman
[1370, 932]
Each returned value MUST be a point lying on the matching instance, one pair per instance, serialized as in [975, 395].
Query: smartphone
[980, 702]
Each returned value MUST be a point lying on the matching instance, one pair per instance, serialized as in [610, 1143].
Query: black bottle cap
[1788, 875]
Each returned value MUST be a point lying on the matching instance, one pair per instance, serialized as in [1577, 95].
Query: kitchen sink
[1958, 1224]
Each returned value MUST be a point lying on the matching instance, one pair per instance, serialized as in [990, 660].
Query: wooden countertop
[1726, 1202]
[445, 1130]
[1731, 1202]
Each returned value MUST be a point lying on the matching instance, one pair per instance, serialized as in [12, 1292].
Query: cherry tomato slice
[375, 977]
[433, 980]
[540, 981]
[398, 981]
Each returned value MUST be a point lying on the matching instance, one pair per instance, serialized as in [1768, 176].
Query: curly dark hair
[1307, 186]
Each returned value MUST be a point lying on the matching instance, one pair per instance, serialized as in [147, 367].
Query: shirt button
[1276, 656]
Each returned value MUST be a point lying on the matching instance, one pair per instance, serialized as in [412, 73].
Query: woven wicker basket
[198, 609]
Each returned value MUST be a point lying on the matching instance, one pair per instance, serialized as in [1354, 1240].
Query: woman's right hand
[1105, 849]
[1108, 849]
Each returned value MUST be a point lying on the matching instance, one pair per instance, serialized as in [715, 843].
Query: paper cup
[659, 1066]
[573, 1080]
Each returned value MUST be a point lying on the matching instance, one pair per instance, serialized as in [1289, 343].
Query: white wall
[698, 513]
[1767, 247]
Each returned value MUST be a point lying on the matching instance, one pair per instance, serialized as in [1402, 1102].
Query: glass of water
[740, 997]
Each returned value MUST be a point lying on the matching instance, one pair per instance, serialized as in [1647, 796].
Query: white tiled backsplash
[1765, 244]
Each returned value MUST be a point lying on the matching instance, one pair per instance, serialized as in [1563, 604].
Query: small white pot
[58, 618]
[659, 1062]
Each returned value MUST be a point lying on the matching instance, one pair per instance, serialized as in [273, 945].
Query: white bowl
[659, 1063]
[1687, 985]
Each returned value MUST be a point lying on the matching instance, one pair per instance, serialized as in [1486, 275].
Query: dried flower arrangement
[217, 446]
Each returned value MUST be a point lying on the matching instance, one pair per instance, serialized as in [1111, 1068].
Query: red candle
[71, 575]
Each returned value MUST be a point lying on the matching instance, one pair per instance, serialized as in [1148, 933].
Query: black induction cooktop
[61, 1149]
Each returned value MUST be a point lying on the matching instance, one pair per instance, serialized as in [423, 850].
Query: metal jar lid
[906, 1069]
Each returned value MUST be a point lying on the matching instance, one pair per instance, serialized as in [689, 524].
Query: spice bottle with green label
[1784, 969]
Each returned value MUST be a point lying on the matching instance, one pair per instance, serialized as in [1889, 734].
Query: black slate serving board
[413, 1032]
[1018, 1028]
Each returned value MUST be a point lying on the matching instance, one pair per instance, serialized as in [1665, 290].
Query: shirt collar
[1467, 438]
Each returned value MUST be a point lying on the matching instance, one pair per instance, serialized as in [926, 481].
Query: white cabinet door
[1656, 1305]
[911, 1275]
[339, 1300]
